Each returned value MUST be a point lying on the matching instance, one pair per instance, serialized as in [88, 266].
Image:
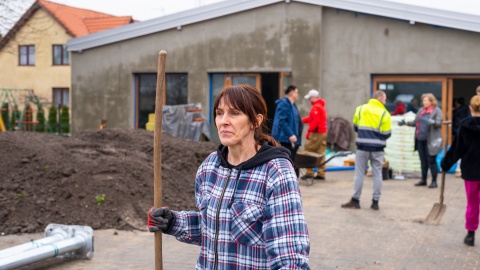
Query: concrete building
[346, 49]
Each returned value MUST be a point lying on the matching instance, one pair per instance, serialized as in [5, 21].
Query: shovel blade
[436, 214]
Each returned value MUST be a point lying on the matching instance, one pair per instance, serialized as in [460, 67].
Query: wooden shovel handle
[157, 153]
[442, 187]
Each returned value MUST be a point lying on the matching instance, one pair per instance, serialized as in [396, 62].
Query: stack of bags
[400, 151]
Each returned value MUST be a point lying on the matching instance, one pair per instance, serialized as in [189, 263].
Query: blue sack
[439, 160]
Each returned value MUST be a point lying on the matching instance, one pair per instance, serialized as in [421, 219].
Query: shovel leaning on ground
[438, 209]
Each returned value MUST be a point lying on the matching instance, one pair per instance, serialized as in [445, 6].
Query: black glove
[401, 123]
[160, 219]
[443, 166]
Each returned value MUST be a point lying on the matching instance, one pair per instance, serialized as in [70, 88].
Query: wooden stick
[157, 153]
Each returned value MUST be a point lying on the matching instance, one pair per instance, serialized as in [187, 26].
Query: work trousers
[427, 161]
[317, 143]
[472, 189]
[376, 160]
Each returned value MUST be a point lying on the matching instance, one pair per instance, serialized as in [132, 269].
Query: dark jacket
[339, 132]
[434, 139]
[466, 146]
[458, 115]
[286, 122]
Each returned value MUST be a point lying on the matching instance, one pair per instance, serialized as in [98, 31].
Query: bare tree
[13, 16]
[10, 12]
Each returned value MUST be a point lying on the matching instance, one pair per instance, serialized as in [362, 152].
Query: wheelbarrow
[310, 160]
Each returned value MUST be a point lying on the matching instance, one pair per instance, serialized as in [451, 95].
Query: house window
[60, 55]
[61, 96]
[175, 94]
[177, 89]
[26, 55]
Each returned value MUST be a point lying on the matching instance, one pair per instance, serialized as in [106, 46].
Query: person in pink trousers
[466, 146]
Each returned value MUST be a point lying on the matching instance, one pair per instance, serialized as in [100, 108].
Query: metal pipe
[41, 253]
[61, 241]
[31, 245]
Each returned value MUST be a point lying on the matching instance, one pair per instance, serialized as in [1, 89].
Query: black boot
[433, 184]
[470, 239]
[421, 183]
[374, 205]
[353, 204]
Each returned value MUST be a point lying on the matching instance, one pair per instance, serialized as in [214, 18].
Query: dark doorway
[270, 92]
[269, 84]
[465, 88]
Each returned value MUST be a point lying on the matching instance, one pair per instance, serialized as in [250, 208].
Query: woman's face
[426, 102]
[233, 125]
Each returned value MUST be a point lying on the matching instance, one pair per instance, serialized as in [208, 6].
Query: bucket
[385, 173]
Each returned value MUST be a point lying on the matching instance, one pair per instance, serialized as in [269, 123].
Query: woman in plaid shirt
[250, 208]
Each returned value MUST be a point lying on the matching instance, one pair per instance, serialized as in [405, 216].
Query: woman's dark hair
[248, 100]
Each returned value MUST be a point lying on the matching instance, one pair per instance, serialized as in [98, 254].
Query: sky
[148, 9]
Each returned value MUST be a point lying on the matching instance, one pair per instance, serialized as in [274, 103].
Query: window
[61, 96]
[177, 89]
[405, 91]
[26, 56]
[60, 55]
[176, 93]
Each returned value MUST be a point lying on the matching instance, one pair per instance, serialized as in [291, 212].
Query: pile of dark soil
[103, 179]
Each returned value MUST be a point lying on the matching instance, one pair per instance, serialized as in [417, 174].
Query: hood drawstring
[235, 188]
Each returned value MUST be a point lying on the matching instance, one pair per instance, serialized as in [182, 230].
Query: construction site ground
[392, 238]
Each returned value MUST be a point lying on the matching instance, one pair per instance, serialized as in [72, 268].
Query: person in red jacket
[400, 109]
[317, 132]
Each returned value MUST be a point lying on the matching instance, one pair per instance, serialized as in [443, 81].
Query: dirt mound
[103, 179]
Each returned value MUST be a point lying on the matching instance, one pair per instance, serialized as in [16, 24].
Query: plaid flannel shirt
[248, 219]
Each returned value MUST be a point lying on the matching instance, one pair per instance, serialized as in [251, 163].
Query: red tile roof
[80, 22]
[99, 24]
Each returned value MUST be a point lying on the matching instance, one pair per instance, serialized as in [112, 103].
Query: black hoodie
[265, 154]
[466, 146]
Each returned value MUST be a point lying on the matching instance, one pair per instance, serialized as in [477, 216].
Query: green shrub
[65, 120]
[40, 127]
[14, 118]
[52, 119]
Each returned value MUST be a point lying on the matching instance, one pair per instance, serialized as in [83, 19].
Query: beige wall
[43, 32]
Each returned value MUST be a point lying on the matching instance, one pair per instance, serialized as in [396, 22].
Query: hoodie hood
[265, 154]
[471, 123]
[320, 101]
[283, 100]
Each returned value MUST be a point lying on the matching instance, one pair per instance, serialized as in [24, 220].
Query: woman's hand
[160, 219]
